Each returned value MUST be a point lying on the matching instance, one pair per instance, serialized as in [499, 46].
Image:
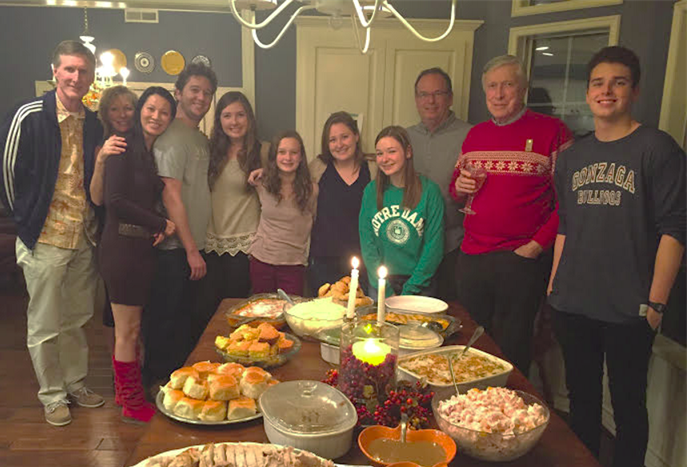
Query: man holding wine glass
[505, 176]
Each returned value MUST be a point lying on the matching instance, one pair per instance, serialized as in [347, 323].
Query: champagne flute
[479, 175]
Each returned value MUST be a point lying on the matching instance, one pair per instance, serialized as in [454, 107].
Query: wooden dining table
[558, 446]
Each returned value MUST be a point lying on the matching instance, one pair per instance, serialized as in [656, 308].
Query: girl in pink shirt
[288, 199]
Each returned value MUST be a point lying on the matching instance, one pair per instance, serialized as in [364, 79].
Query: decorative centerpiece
[368, 354]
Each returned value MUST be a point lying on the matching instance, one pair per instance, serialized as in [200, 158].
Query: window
[556, 56]
[558, 77]
[535, 7]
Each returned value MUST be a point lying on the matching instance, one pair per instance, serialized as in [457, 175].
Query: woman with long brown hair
[401, 219]
[235, 152]
[342, 172]
[288, 199]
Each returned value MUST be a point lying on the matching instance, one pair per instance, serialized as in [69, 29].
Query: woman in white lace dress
[235, 151]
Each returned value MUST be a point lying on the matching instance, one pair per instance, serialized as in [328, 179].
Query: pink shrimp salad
[494, 410]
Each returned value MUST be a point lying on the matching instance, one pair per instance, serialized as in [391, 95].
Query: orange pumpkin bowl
[433, 436]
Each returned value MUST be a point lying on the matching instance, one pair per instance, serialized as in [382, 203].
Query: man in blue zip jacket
[47, 147]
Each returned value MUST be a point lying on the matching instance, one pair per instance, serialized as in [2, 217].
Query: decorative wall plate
[172, 62]
[203, 60]
[144, 62]
[119, 60]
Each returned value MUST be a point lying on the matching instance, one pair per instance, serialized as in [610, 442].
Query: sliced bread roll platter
[208, 393]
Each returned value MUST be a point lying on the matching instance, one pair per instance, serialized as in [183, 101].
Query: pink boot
[134, 406]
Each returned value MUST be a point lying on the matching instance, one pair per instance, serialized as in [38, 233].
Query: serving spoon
[284, 296]
[475, 335]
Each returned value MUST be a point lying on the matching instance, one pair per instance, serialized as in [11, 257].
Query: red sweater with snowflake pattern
[517, 202]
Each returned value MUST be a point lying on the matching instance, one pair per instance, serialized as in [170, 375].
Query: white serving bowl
[329, 353]
[309, 415]
[498, 379]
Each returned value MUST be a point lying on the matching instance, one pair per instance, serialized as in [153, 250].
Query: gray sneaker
[57, 413]
[84, 397]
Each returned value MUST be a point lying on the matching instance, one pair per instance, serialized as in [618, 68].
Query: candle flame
[355, 263]
[382, 272]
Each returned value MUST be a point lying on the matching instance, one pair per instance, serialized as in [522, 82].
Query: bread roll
[241, 408]
[223, 387]
[234, 369]
[257, 369]
[253, 384]
[195, 388]
[178, 377]
[205, 368]
[213, 411]
[189, 408]
[172, 398]
[323, 289]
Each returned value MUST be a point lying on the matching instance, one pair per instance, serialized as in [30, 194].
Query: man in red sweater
[506, 253]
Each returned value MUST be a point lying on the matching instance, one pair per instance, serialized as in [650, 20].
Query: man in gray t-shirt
[436, 142]
[171, 323]
[182, 154]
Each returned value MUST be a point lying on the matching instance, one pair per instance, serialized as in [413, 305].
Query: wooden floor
[96, 437]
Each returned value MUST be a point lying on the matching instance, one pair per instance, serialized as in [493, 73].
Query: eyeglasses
[436, 94]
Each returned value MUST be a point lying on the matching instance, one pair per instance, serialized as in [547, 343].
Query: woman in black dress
[132, 190]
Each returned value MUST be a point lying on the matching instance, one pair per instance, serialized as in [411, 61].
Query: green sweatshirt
[407, 242]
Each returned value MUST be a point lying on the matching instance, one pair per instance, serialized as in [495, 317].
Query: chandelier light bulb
[124, 73]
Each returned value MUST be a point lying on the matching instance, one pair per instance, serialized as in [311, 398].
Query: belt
[131, 230]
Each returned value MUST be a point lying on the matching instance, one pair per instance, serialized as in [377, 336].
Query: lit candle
[381, 296]
[371, 351]
[350, 313]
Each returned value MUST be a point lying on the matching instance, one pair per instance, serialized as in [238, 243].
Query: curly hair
[412, 189]
[108, 96]
[249, 154]
[346, 119]
[302, 185]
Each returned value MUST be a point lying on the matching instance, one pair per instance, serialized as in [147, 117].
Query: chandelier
[104, 73]
[362, 13]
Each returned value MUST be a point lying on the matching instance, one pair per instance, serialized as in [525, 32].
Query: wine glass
[479, 175]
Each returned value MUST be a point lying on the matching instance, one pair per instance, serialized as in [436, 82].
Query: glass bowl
[259, 308]
[493, 446]
[309, 415]
[270, 361]
[308, 318]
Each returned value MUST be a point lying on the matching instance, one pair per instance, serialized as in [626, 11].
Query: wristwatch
[658, 307]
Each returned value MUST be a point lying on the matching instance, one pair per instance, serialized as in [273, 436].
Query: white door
[377, 88]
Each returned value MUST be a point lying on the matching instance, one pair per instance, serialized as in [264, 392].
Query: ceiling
[184, 5]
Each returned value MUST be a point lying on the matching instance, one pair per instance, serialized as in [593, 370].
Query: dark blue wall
[28, 35]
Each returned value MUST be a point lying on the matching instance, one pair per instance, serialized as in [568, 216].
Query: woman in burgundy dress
[132, 190]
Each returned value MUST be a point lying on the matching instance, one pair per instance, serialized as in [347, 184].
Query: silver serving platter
[173, 416]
